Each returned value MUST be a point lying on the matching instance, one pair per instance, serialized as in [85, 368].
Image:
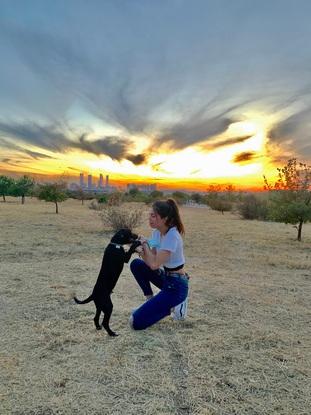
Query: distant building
[82, 180]
[100, 187]
[145, 188]
[89, 182]
[74, 187]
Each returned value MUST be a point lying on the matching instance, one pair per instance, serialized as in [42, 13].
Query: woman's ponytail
[174, 218]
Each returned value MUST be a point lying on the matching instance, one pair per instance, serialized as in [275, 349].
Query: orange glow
[194, 167]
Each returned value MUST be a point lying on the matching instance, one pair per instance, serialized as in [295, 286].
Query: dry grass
[244, 349]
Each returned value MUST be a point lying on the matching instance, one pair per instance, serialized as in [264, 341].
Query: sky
[171, 92]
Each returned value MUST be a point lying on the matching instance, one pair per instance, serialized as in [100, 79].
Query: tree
[53, 192]
[23, 187]
[135, 195]
[6, 184]
[80, 195]
[197, 198]
[180, 197]
[155, 195]
[290, 196]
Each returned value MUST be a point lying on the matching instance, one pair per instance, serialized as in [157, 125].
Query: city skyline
[178, 94]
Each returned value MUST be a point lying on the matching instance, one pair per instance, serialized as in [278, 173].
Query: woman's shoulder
[173, 232]
[155, 233]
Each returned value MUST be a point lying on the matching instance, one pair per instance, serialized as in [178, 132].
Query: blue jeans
[174, 290]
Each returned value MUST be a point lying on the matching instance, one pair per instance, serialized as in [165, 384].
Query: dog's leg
[107, 315]
[96, 319]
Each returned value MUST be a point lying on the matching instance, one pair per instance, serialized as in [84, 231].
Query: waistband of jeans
[177, 275]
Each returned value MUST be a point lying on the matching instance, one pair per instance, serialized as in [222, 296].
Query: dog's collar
[116, 245]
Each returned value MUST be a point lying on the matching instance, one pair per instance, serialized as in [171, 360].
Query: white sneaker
[180, 311]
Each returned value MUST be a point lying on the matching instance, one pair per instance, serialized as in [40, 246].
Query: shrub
[220, 205]
[94, 205]
[115, 199]
[103, 199]
[117, 217]
[253, 208]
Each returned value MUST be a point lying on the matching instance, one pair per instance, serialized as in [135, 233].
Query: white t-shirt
[171, 241]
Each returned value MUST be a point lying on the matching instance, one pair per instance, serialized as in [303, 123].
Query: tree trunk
[23, 199]
[299, 230]
[3, 197]
[56, 205]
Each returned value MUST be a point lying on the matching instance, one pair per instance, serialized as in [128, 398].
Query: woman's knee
[133, 324]
[136, 264]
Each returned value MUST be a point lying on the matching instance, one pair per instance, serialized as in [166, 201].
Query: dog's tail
[87, 300]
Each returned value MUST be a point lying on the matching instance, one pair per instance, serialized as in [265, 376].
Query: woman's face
[155, 220]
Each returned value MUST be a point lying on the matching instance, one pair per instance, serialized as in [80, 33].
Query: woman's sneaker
[179, 312]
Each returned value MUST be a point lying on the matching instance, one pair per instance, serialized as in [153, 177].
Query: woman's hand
[139, 249]
[142, 239]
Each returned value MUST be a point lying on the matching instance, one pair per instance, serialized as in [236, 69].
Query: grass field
[244, 349]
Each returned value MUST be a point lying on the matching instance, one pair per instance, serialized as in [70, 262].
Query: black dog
[112, 265]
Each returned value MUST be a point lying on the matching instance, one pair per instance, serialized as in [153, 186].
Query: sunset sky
[179, 93]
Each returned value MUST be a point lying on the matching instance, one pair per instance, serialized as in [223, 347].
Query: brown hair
[169, 209]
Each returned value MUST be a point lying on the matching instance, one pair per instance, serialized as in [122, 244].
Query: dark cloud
[35, 155]
[46, 137]
[114, 147]
[244, 156]
[136, 159]
[60, 138]
[207, 122]
[225, 142]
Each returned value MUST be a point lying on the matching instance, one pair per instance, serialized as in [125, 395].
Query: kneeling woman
[162, 264]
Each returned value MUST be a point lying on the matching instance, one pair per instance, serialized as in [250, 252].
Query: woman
[165, 250]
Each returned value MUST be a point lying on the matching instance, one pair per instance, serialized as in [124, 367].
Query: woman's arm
[153, 258]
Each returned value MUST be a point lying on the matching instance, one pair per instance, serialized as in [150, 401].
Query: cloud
[245, 156]
[46, 137]
[150, 67]
[33, 154]
[294, 131]
[61, 138]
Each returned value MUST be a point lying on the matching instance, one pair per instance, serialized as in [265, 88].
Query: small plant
[117, 217]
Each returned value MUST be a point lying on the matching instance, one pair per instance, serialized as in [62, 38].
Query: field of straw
[244, 349]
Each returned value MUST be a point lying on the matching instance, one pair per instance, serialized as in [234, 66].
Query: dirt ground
[244, 349]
